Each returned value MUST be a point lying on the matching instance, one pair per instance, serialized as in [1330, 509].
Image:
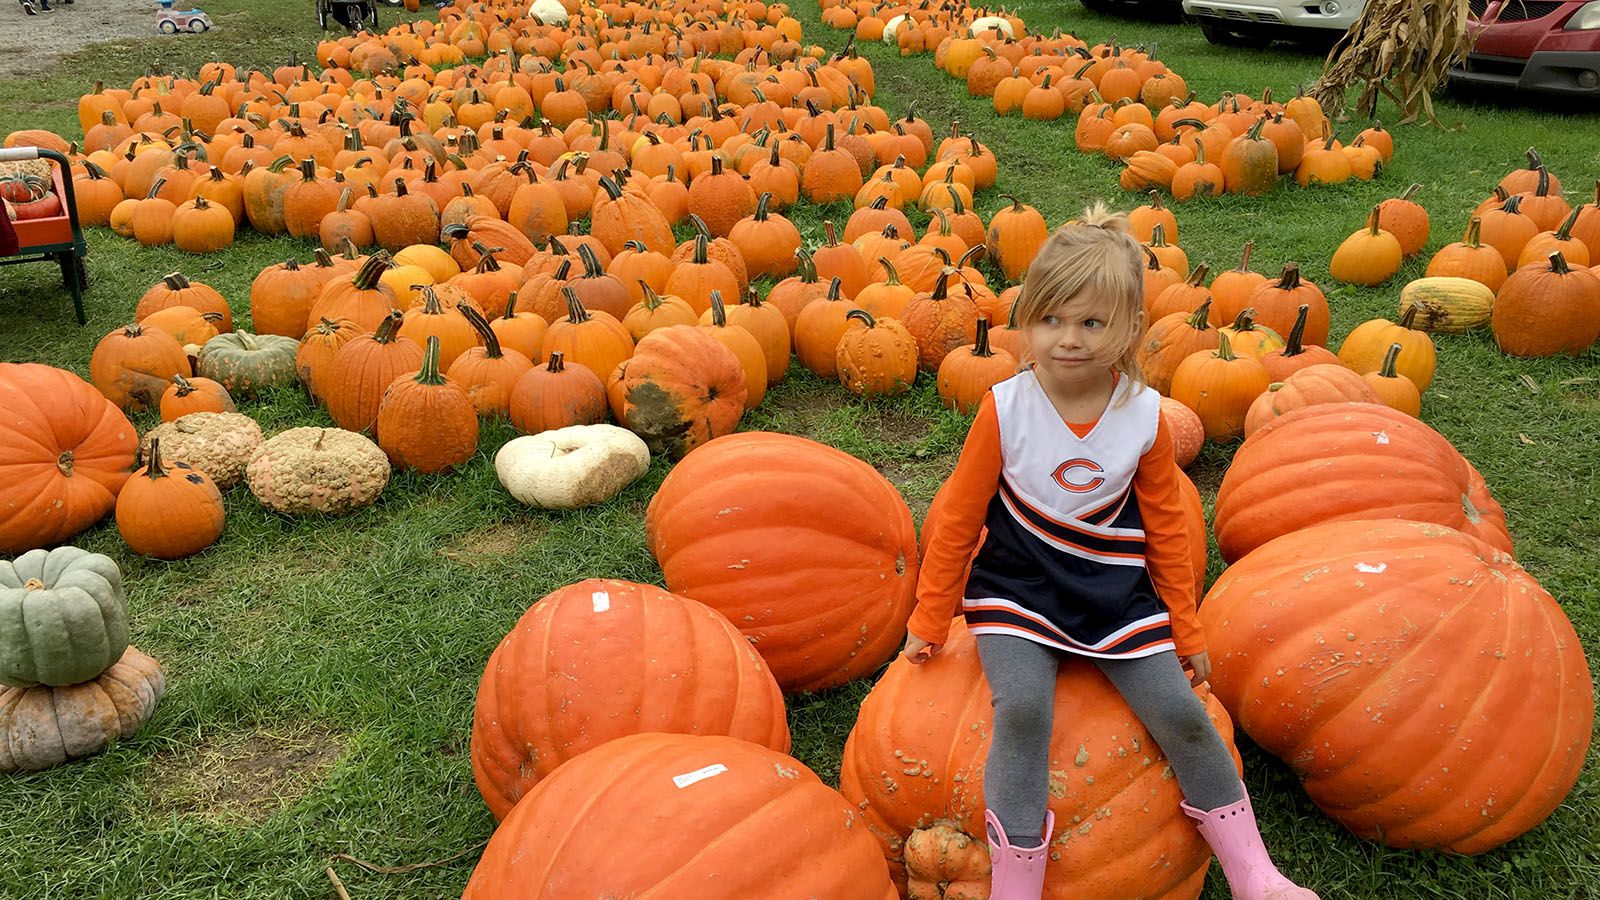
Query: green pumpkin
[249, 364]
[63, 619]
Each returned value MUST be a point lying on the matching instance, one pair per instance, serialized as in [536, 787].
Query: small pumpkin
[1367, 345]
[1188, 437]
[1219, 386]
[169, 512]
[555, 395]
[1369, 257]
[426, 421]
[967, 373]
[192, 395]
[1295, 354]
[1393, 389]
[363, 369]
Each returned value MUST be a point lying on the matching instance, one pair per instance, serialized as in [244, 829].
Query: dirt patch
[800, 411]
[32, 43]
[892, 427]
[247, 776]
[483, 546]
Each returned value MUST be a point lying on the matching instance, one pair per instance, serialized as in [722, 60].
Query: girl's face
[1070, 340]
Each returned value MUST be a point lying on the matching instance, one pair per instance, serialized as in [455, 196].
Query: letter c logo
[1076, 483]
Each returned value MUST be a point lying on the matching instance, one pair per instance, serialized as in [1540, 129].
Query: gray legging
[1022, 677]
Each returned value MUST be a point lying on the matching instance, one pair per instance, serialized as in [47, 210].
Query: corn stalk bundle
[1400, 49]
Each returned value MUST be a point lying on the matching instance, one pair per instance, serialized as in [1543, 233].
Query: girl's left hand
[1200, 665]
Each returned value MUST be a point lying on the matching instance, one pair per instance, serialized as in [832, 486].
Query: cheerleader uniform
[1084, 551]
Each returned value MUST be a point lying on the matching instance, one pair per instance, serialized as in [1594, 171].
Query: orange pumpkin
[169, 511]
[1219, 387]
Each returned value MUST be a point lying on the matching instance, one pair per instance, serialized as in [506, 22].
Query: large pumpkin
[67, 449]
[45, 726]
[602, 659]
[707, 817]
[807, 549]
[63, 617]
[1338, 461]
[914, 766]
[1426, 690]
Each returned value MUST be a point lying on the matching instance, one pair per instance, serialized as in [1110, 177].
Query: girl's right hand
[918, 650]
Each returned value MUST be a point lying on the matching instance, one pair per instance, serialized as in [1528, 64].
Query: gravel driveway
[31, 42]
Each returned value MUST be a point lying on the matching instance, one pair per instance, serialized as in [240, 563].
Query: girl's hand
[918, 650]
[1200, 666]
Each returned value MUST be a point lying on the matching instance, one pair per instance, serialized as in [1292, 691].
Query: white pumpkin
[571, 467]
[985, 23]
[550, 12]
[890, 29]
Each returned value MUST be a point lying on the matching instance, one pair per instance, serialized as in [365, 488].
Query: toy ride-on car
[172, 21]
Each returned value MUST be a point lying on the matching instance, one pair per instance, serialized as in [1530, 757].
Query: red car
[1535, 45]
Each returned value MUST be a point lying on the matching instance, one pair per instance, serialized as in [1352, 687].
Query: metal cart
[58, 238]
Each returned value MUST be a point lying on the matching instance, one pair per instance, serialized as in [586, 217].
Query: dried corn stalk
[1400, 49]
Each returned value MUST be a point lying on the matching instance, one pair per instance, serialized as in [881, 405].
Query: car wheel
[1224, 34]
[167, 26]
[196, 26]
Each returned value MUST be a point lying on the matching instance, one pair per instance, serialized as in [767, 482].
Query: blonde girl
[1069, 467]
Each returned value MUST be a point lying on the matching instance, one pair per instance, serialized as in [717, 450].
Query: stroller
[352, 14]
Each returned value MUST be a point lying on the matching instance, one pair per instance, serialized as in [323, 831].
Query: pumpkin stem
[1198, 276]
[892, 277]
[980, 347]
[558, 362]
[1410, 193]
[719, 312]
[389, 329]
[752, 298]
[1199, 320]
[491, 341]
[832, 235]
[1389, 358]
[185, 387]
[833, 289]
[1290, 279]
[1293, 347]
[576, 314]
[1564, 233]
[591, 262]
[1245, 321]
[1558, 263]
[863, 315]
[1224, 352]
[153, 467]
[1474, 230]
[429, 373]
[1372, 221]
[366, 278]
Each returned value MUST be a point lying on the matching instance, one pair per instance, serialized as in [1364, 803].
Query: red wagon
[58, 238]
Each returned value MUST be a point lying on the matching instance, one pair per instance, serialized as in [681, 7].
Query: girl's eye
[1052, 321]
[1092, 323]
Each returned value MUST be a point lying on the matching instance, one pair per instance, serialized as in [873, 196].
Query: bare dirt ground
[30, 43]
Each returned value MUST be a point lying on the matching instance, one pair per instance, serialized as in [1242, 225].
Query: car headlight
[1587, 18]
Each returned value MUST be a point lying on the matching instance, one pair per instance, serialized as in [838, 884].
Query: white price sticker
[602, 601]
[1370, 569]
[688, 778]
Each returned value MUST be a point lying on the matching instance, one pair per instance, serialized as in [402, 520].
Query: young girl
[1070, 468]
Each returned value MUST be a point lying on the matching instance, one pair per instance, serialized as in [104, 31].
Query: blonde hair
[1096, 256]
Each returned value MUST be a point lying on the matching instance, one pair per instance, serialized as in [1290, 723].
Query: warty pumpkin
[877, 358]
[328, 471]
[248, 364]
[1429, 611]
[940, 322]
[1341, 462]
[821, 617]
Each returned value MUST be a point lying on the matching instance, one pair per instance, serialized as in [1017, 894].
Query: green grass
[366, 636]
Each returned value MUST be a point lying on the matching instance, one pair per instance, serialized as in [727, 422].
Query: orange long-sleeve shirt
[956, 523]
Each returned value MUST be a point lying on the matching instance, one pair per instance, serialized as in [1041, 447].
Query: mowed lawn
[322, 673]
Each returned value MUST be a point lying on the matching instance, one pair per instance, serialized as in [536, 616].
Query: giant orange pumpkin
[710, 817]
[1426, 690]
[914, 766]
[602, 659]
[1339, 461]
[807, 549]
[67, 450]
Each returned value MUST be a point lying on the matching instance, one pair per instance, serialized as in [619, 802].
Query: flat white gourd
[572, 467]
[550, 12]
[985, 23]
[891, 29]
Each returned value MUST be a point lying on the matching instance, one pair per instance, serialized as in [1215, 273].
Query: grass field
[322, 674]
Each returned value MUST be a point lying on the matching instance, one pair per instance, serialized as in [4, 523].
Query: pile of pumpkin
[1131, 107]
[1522, 267]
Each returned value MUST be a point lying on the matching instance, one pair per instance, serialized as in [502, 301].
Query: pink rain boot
[1231, 832]
[1017, 874]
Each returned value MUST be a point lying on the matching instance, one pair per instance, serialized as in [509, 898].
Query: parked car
[1552, 47]
[1242, 22]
